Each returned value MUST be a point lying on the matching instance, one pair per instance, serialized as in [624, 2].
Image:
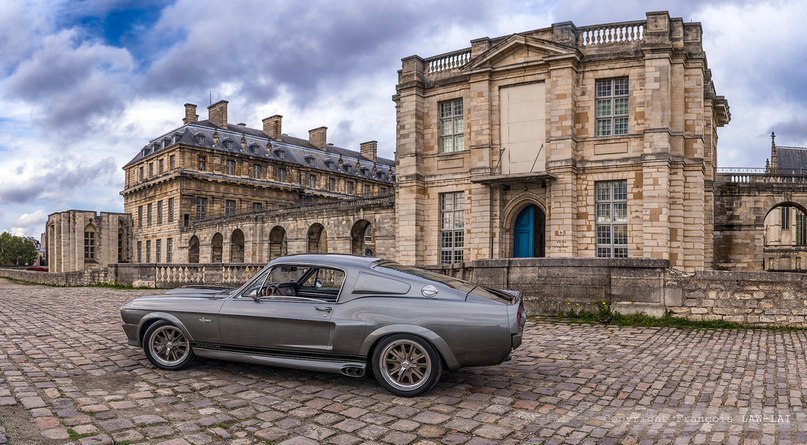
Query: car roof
[328, 259]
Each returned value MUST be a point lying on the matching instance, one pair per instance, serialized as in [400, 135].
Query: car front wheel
[167, 347]
[406, 365]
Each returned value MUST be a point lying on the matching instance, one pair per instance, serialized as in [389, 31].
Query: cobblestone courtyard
[67, 376]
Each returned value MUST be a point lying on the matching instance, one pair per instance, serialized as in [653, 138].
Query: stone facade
[80, 240]
[666, 156]
[212, 192]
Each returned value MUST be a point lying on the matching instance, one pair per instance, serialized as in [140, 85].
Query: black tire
[167, 347]
[406, 365]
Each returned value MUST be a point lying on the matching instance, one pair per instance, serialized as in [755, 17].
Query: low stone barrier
[86, 278]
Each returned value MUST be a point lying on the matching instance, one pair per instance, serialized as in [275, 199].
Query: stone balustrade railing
[612, 33]
[170, 275]
[448, 61]
[759, 176]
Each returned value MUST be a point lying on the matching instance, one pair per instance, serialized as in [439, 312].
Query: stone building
[214, 172]
[79, 240]
[596, 141]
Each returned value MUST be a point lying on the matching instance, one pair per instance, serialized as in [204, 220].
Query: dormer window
[166, 142]
[176, 137]
[364, 171]
[329, 164]
[253, 148]
[199, 138]
[228, 144]
[309, 160]
[280, 153]
[348, 168]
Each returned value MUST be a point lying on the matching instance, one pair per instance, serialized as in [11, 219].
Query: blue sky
[84, 84]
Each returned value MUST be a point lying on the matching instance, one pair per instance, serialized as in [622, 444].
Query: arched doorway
[216, 248]
[785, 238]
[361, 238]
[237, 246]
[529, 237]
[278, 246]
[317, 239]
[193, 250]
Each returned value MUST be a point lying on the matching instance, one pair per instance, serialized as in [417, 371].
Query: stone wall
[755, 298]
[82, 278]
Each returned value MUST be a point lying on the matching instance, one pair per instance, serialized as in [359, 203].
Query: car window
[325, 279]
[286, 273]
[255, 285]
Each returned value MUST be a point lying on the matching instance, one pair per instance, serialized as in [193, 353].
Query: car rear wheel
[406, 365]
[167, 347]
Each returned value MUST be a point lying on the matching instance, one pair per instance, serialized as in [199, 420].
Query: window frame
[201, 208]
[614, 124]
[89, 245]
[230, 207]
[452, 227]
[454, 117]
[613, 209]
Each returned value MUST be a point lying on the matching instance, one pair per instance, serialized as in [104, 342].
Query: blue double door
[529, 233]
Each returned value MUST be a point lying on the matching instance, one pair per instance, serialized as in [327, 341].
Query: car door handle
[324, 308]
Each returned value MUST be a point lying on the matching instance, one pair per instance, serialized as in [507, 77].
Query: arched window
[237, 246]
[89, 242]
[216, 248]
[193, 250]
[278, 245]
[317, 239]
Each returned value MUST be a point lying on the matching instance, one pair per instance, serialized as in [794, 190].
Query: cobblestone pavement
[67, 376]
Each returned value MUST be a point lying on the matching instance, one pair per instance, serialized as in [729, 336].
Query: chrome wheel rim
[168, 346]
[405, 365]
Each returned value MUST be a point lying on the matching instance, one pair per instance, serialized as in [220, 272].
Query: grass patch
[666, 321]
[101, 285]
[73, 435]
[120, 286]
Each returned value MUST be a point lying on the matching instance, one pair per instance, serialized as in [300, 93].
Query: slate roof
[791, 160]
[288, 149]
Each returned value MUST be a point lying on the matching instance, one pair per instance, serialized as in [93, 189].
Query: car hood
[201, 291]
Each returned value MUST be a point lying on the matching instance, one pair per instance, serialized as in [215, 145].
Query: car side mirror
[254, 294]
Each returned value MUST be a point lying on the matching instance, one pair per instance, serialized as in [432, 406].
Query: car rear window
[454, 283]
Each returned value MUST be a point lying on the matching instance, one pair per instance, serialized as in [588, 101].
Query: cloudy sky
[84, 84]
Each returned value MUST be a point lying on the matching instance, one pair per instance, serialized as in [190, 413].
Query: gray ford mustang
[334, 313]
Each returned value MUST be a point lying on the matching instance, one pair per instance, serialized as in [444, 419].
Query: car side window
[255, 285]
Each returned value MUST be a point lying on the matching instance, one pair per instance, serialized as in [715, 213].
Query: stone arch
[237, 246]
[784, 237]
[317, 239]
[361, 238]
[193, 249]
[217, 248]
[512, 211]
[278, 243]
[89, 242]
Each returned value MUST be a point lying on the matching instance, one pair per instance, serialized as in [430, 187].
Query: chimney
[190, 114]
[318, 137]
[217, 113]
[369, 150]
[273, 126]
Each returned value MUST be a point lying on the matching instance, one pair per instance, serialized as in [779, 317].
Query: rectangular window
[161, 165]
[452, 126]
[256, 171]
[148, 215]
[151, 169]
[202, 163]
[367, 190]
[148, 251]
[281, 173]
[229, 207]
[257, 206]
[140, 251]
[89, 245]
[170, 209]
[140, 173]
[158, 251]
[201, 208]
[332, 184]
[229, 167]
[801, 229]
[159, 212]
[139, 217]
[611, 203]
[350, 186]
[452, 227]
[786, 217]
[312, 181]
[169, 248]
[612, 106]
[172, 162]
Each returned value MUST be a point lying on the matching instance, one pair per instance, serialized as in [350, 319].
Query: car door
[276, 323]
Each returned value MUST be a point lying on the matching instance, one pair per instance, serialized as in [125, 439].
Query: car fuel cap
[428, 291]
